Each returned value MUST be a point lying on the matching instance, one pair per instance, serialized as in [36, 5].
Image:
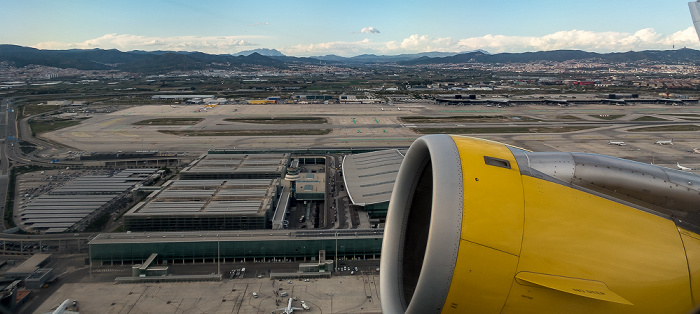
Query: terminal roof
[370, 177]
[243, 235]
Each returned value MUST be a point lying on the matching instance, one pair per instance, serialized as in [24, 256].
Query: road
[9, 152]
[4, 160]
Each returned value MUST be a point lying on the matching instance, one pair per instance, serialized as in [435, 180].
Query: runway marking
[80, 134]
[125, 134]
[110, 122]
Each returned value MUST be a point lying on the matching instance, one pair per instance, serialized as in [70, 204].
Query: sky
[348, 28]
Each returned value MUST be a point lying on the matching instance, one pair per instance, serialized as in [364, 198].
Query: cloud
[412, 44]
[686, 37]
[260, 23]
[127, 42]
[341, 48]
[370, 30]
[642, 39]
[421, 43]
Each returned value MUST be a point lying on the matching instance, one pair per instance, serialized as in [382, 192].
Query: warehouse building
[369, 179]
[233, 246]
[231, 204]
[236, 166]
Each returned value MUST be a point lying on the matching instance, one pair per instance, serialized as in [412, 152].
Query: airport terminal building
[369, 179]
[215, 192]
[233, 246]
[233, 204]
[78, 202]
[225, 204]
[237, 166]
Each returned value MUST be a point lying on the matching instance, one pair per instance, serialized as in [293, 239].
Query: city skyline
[312, 28]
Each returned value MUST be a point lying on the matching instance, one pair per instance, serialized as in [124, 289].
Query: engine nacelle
[476, 226]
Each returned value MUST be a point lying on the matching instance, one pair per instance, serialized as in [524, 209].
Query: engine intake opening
[417, 231]
[421, 237]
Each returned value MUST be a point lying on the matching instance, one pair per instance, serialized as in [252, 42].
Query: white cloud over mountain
[370, 30]
[127, 42]
[336, 47]
[643, 39]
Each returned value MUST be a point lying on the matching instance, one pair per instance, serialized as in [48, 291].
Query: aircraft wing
[695, 14]
[476, 226]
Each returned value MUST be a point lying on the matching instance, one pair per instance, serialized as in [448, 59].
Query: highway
[4, 160]
[10, 152]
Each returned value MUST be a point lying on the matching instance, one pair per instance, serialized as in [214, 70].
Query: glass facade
[106, 252]
[192, 222]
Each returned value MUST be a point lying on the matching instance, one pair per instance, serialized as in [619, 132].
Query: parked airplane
[683, 167]
[618, 143]
[664, 142]
[289, 309]
[63, 308]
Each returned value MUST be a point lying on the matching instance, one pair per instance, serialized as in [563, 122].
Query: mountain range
[166, 61]
[133, 61]
[664, 56]
[262, 51]
[371, 58]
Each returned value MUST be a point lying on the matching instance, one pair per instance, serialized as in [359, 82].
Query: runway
[372, 125]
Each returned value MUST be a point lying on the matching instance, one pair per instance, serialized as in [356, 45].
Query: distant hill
[371, 58]
[135, 61]
[665, 56]
[262, 51]
[165, 61]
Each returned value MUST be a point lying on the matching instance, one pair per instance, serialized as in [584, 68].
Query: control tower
[292, 176]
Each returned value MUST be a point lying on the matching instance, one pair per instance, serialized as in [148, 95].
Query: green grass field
[502, 130]
[649, 118]
[248, 132]
[34, 109]
[668, 128]
[39, 127]
[465, 119]
[607, 116]
[280, 120]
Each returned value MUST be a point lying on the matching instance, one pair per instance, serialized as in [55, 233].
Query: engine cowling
[482, 227]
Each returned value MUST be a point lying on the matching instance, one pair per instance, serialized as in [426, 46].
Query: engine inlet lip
[440, 258]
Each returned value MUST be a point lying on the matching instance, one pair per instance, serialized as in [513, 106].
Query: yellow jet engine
[476, 226]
